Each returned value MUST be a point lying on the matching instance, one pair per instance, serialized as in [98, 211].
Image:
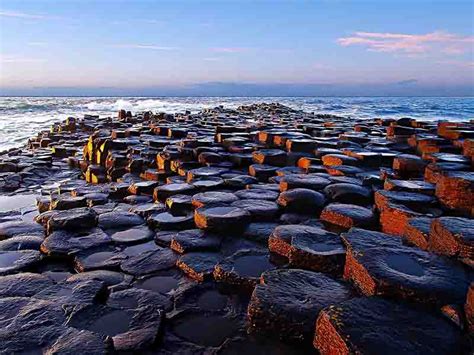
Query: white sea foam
[24, 117]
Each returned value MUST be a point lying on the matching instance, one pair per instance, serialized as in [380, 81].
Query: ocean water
[23, 117]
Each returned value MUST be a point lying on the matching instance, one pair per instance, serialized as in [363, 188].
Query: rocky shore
[263, 230]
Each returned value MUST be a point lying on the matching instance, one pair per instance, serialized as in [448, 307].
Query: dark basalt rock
[262, 172]
[167, 221]
[204, 172]
[207, 184]
[260, 210]
[213, 197]
[179, 204]
[68, 202]
[301, 201]
[149, 262]
[286, 302]
[417, 232]
[306, 181]
[348, 327]
[338, 160]
[23, 284]
[29, 326]
[379, 264]
[410, 186]
[257, 194]
[75, 341]
[243, 269]
[134, 235]
[98, 258]
[15, 261]
[195, 240]
[137, 200]
[121, 324]
[349, 193]
[198, 266]
[240, 181]
[72, 294]
[165, 191]
[274, 157]
[148, 209]
[348, 216]
[25, 242]
[309, 247]
[137, 298]
[73, 219]
[208, 329]
[119, 219]
[453, 236]
[165, 283]
[107, 277]
[221, 219]
[66, 243]
[259, 232]
[19, 228]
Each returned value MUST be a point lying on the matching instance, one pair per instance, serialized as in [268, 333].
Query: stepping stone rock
[134, 235]
[303, 201]
[257, 194]
[455, 190]
[379, 264]
[198, 266]
[274, 157]
[410, 186]
[286, 303]
[116, 219]
[19, 228]
[348, 216]
[243, 269]
[163, 192]
[73, 219]
[149, 262]
[167, 221]
[309, 247]
[194, 240]
[306, 181]
[22, 243]
[259, 232]
[348, 328]
[67, 243]
[349, 193]
[453, 236]
[15, 261]
[417, 232]
[260, 210]
[221, 219]
[23, 284]
[213, 197]
[75, 341]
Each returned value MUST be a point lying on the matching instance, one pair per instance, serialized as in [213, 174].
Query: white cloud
[145, 46]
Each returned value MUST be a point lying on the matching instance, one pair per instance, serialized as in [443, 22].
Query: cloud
[458, 63]
[18, 59]
[411, 44]
[230, 49]
[407, 82]
[212, 59]
[23, 15]
[145, 46]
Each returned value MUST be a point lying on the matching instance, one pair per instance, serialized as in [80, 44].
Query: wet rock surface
[347, 327]
[233, 230]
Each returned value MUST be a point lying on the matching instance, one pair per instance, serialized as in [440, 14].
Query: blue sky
[273, 47]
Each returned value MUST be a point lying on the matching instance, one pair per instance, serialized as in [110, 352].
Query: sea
[23, 117]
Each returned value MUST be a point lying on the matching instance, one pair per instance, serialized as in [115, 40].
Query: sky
[227, 47]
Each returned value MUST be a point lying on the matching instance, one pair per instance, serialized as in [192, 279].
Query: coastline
[206, 231]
